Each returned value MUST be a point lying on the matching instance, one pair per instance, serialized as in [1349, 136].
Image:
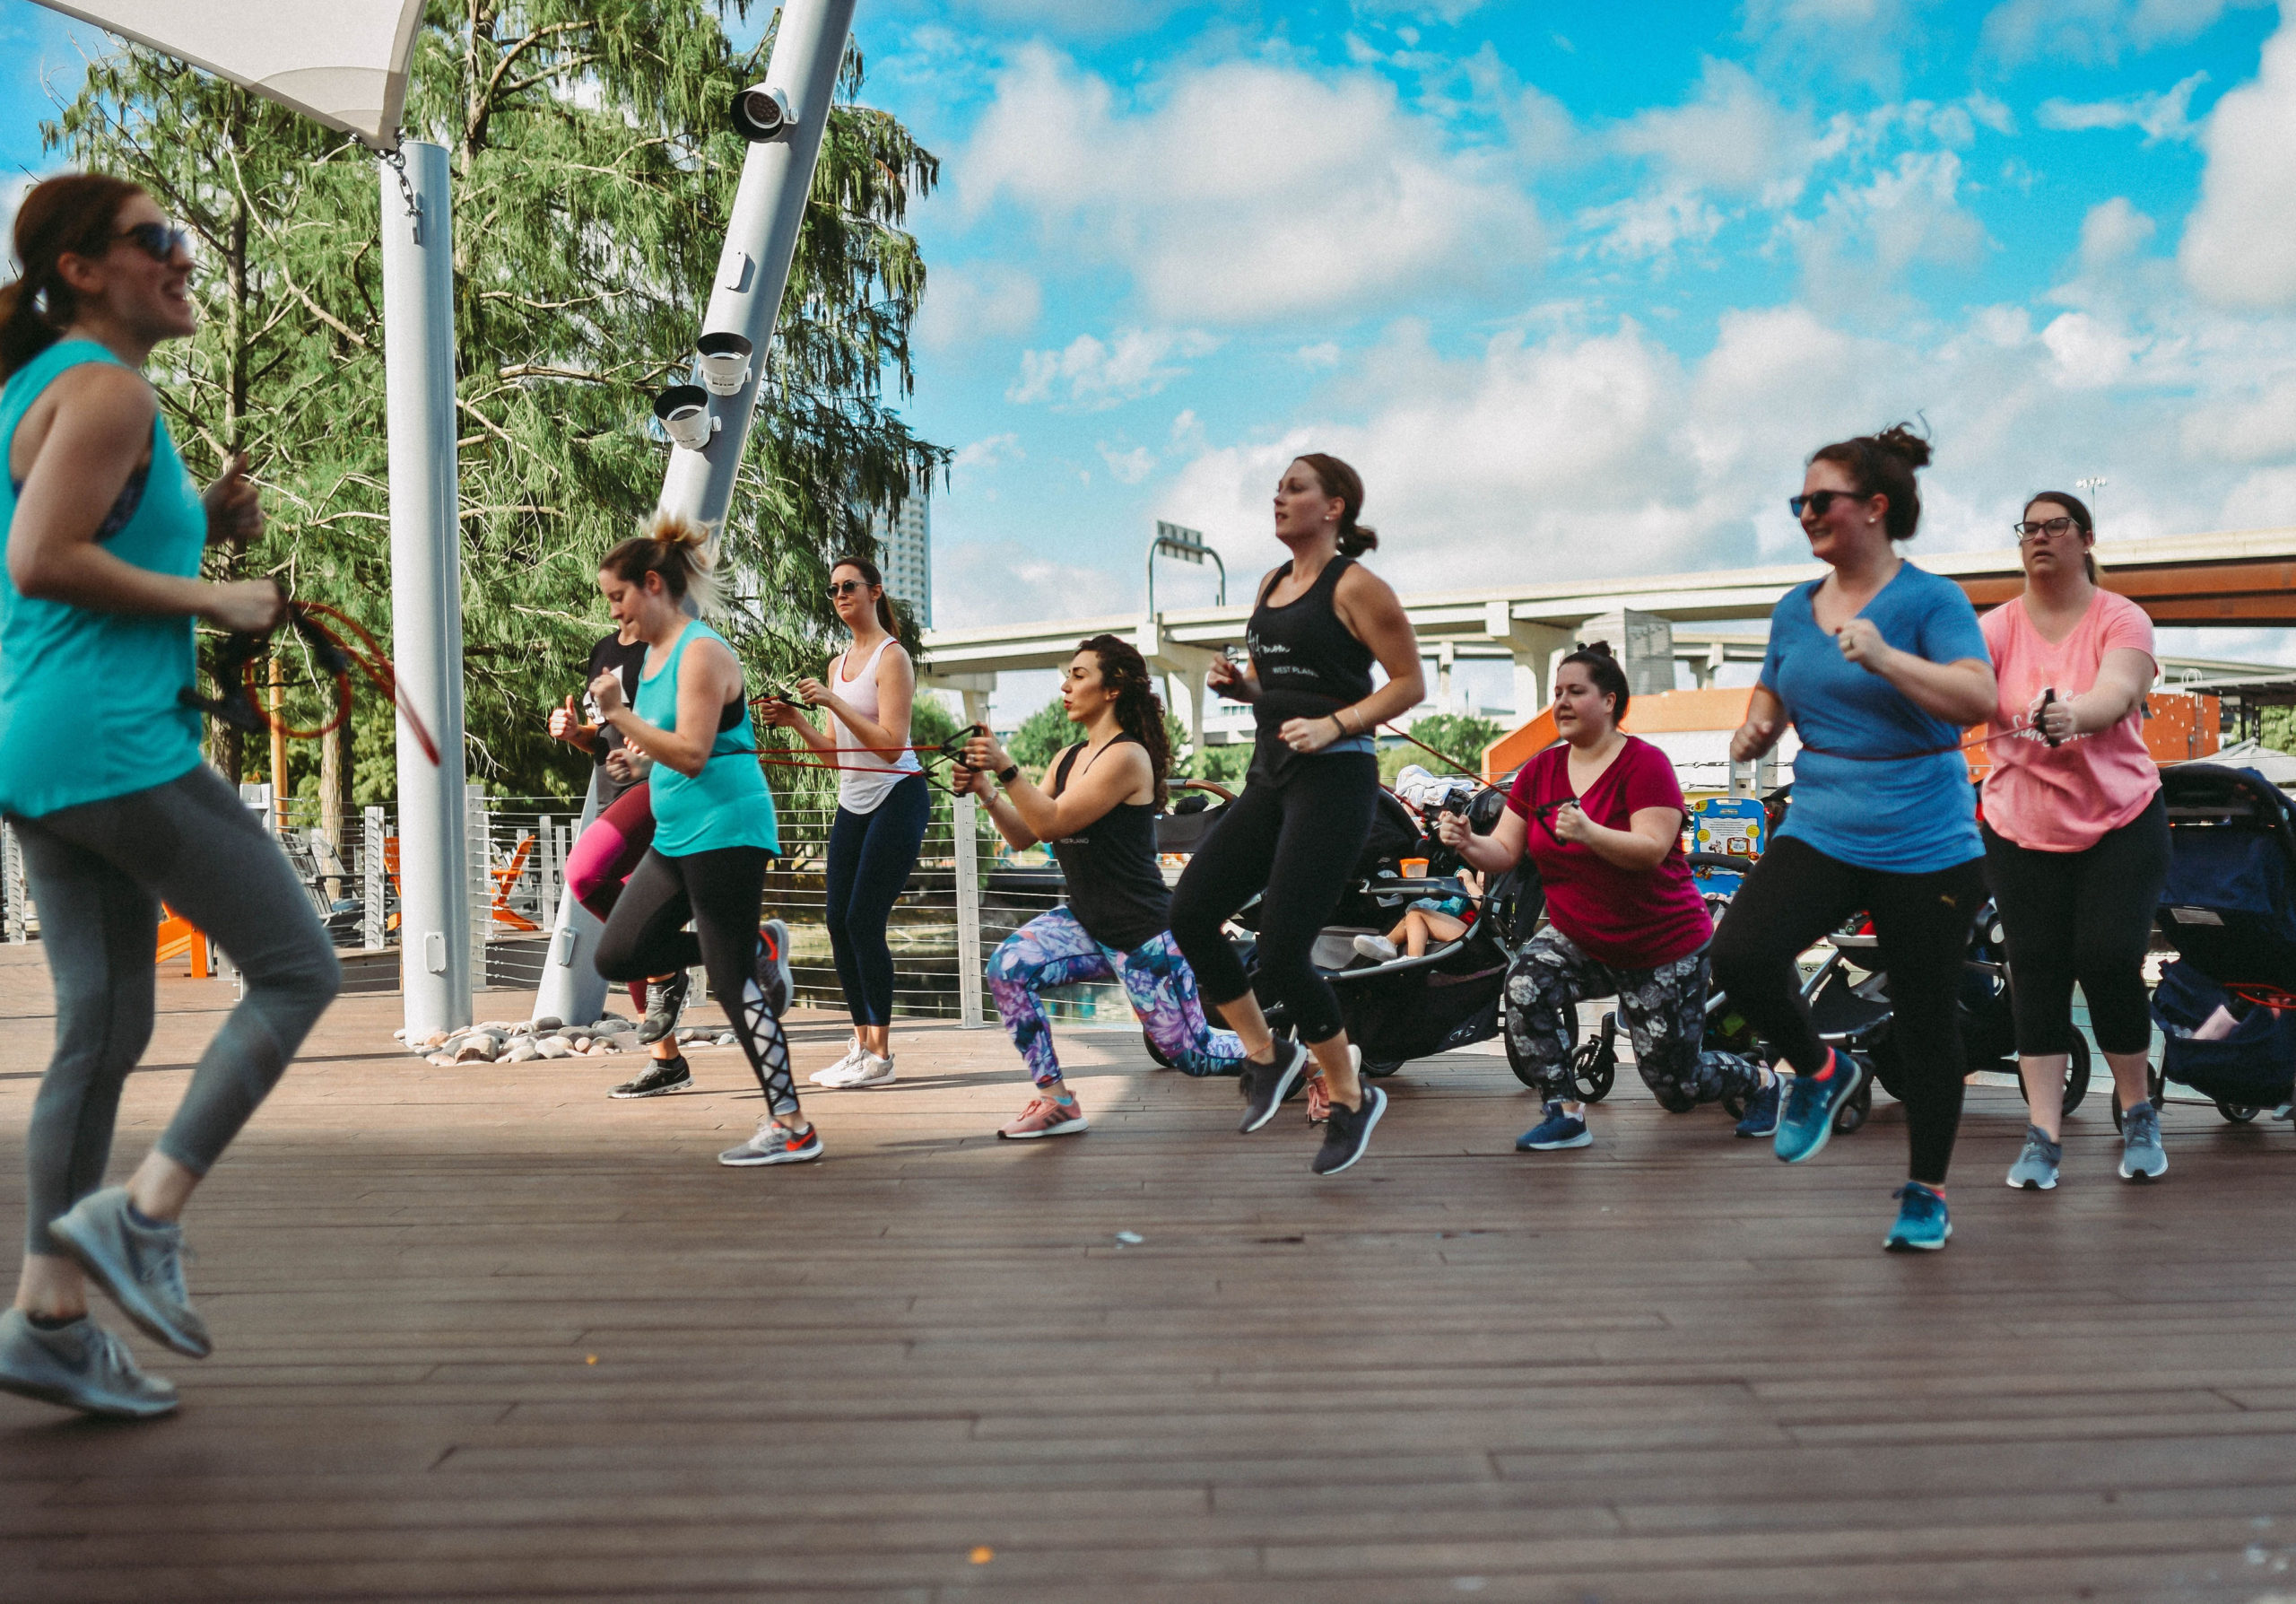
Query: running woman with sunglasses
[100, 775]
[1097, 804]
[2077, 836]
[715, 833]
[882, 807]
[1320, 621]
[1879, 666]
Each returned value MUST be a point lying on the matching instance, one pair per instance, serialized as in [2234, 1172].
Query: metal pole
[761, 240]
[966, 815]
[426, 585]
[572, 991]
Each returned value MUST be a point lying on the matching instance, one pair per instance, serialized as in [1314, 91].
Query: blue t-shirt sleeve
[1778, 630]
[1949, 631]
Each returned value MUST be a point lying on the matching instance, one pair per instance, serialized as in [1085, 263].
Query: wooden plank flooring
[483, 1334]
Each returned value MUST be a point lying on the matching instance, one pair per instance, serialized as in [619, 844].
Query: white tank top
[866, 778]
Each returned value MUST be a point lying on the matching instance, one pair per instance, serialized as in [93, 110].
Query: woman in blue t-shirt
[1879, 666]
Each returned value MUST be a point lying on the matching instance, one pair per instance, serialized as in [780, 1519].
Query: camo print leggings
[1053, 949]
[1664, 1008]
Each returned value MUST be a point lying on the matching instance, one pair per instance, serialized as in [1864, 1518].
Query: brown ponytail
[677, 548]
[876, 582]
[1340, 480]
[71, 214]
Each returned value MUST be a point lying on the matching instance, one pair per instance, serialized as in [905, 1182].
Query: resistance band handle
[2049, 694]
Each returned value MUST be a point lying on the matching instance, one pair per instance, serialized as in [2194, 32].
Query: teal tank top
[87, 708]
[727, 804]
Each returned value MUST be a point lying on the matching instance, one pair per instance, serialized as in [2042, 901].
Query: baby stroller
[2226, 909]
[1449, 996]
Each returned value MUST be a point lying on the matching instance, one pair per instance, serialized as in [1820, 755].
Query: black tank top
[1115, 889]
[1308, 665]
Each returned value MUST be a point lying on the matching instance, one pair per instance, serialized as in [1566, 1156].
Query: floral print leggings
[1664, 1008]
[1053, 949]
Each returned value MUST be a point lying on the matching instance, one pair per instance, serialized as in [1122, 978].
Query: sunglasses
[2054, 528]
[160, 241]
[1820, 501]
[846, 586]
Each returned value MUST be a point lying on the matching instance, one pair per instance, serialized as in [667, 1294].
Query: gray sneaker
[81, 1366]
[140, 1266]
[2141, 1156]
[2035, 1169]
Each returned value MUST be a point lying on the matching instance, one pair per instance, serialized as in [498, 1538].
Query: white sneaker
[834, 1075]
[870, 1071]
[1378, 949]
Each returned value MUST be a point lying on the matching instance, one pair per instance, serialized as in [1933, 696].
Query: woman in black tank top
[1098, 810]
[1296, 832]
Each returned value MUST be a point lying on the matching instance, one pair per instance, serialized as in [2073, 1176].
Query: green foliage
[1456, 736]
[2278, 727]
[592, 172]
[1224, 765]
[1042, 737]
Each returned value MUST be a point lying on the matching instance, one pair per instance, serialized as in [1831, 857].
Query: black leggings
[720, 892]
[2084, 916]
[1297, 837]
[1921, 922]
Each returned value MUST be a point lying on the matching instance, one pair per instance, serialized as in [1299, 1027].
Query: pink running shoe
[1318, 1099]
[1046, 1118]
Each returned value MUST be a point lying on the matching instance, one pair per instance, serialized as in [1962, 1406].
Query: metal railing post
[374, 912]
[12, 869]
[968, 857]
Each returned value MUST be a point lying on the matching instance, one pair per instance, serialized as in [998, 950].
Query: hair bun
[1601, 649]
[673, 528]
[1899, 440]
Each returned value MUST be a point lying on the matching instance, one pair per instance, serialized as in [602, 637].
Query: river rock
[546, 1023]
[553, 1047]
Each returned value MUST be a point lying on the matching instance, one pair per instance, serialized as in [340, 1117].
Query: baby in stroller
[1429, 920]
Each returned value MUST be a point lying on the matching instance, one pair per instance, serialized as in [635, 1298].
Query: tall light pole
[2092, 487]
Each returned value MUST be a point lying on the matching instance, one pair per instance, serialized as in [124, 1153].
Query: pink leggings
[606, 853]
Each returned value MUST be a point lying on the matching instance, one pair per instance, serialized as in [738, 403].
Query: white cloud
[1908, 214]
[2162, 114]
[984, 454]
[2113, 230]
[2096, 32]
[1243, 190]
[1089, 374]
[1733, 137]
[2240, 243]
[12, 190]
[988, 301]
[980, 582]
[1130, 467]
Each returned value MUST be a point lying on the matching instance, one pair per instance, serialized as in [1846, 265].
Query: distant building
[905, 554]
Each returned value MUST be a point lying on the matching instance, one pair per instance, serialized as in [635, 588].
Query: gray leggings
[98, 873]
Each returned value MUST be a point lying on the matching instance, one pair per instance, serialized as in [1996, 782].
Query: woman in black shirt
[1097, 807]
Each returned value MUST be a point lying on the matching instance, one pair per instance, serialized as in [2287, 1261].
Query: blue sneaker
[1761, 1110]
[1557, 1130]
[1806, 1121]
[1922, 1227]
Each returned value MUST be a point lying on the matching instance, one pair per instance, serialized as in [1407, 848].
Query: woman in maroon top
[1601, 815]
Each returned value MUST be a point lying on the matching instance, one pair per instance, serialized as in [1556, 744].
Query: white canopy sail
[339, 62]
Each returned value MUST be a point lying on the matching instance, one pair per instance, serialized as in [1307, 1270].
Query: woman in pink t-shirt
[2076, 839]
[1601, 815]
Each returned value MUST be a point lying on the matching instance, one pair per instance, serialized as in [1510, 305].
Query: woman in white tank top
[882, 807]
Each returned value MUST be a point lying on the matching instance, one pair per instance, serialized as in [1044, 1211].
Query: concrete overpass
[2244, 579]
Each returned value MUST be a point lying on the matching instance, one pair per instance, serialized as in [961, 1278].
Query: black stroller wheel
[1858, 1108]
[2076, 1079]
[1380, 1068]
[1593, 1068]
[2239, 1113]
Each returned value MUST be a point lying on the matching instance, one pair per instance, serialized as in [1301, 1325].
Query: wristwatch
[1008, 774]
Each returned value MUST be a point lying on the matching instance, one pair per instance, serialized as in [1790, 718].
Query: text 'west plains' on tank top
[865, 778]
[1115, 888]
[1309, 666]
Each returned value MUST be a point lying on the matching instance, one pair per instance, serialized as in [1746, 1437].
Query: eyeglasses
[160, 241]
[846, 586]
[1820, 501]
[2054, 528]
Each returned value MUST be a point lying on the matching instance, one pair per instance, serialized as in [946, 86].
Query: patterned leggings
[1665, 1010]
[1054, 950]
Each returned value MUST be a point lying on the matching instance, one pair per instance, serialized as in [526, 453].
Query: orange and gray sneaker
[774, 1144]
[1319, 1098]
[1047, 1117]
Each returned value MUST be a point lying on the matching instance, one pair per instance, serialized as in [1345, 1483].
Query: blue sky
[1577, 286]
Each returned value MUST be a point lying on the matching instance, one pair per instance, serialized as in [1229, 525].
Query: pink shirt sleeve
[2126, 626]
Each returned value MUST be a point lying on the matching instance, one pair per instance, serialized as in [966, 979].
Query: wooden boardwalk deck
[483, 1334]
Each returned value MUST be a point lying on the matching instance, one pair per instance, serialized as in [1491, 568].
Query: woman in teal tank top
[101, 778]
[714, 831]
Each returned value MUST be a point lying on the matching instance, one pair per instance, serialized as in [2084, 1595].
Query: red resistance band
[242, 658]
